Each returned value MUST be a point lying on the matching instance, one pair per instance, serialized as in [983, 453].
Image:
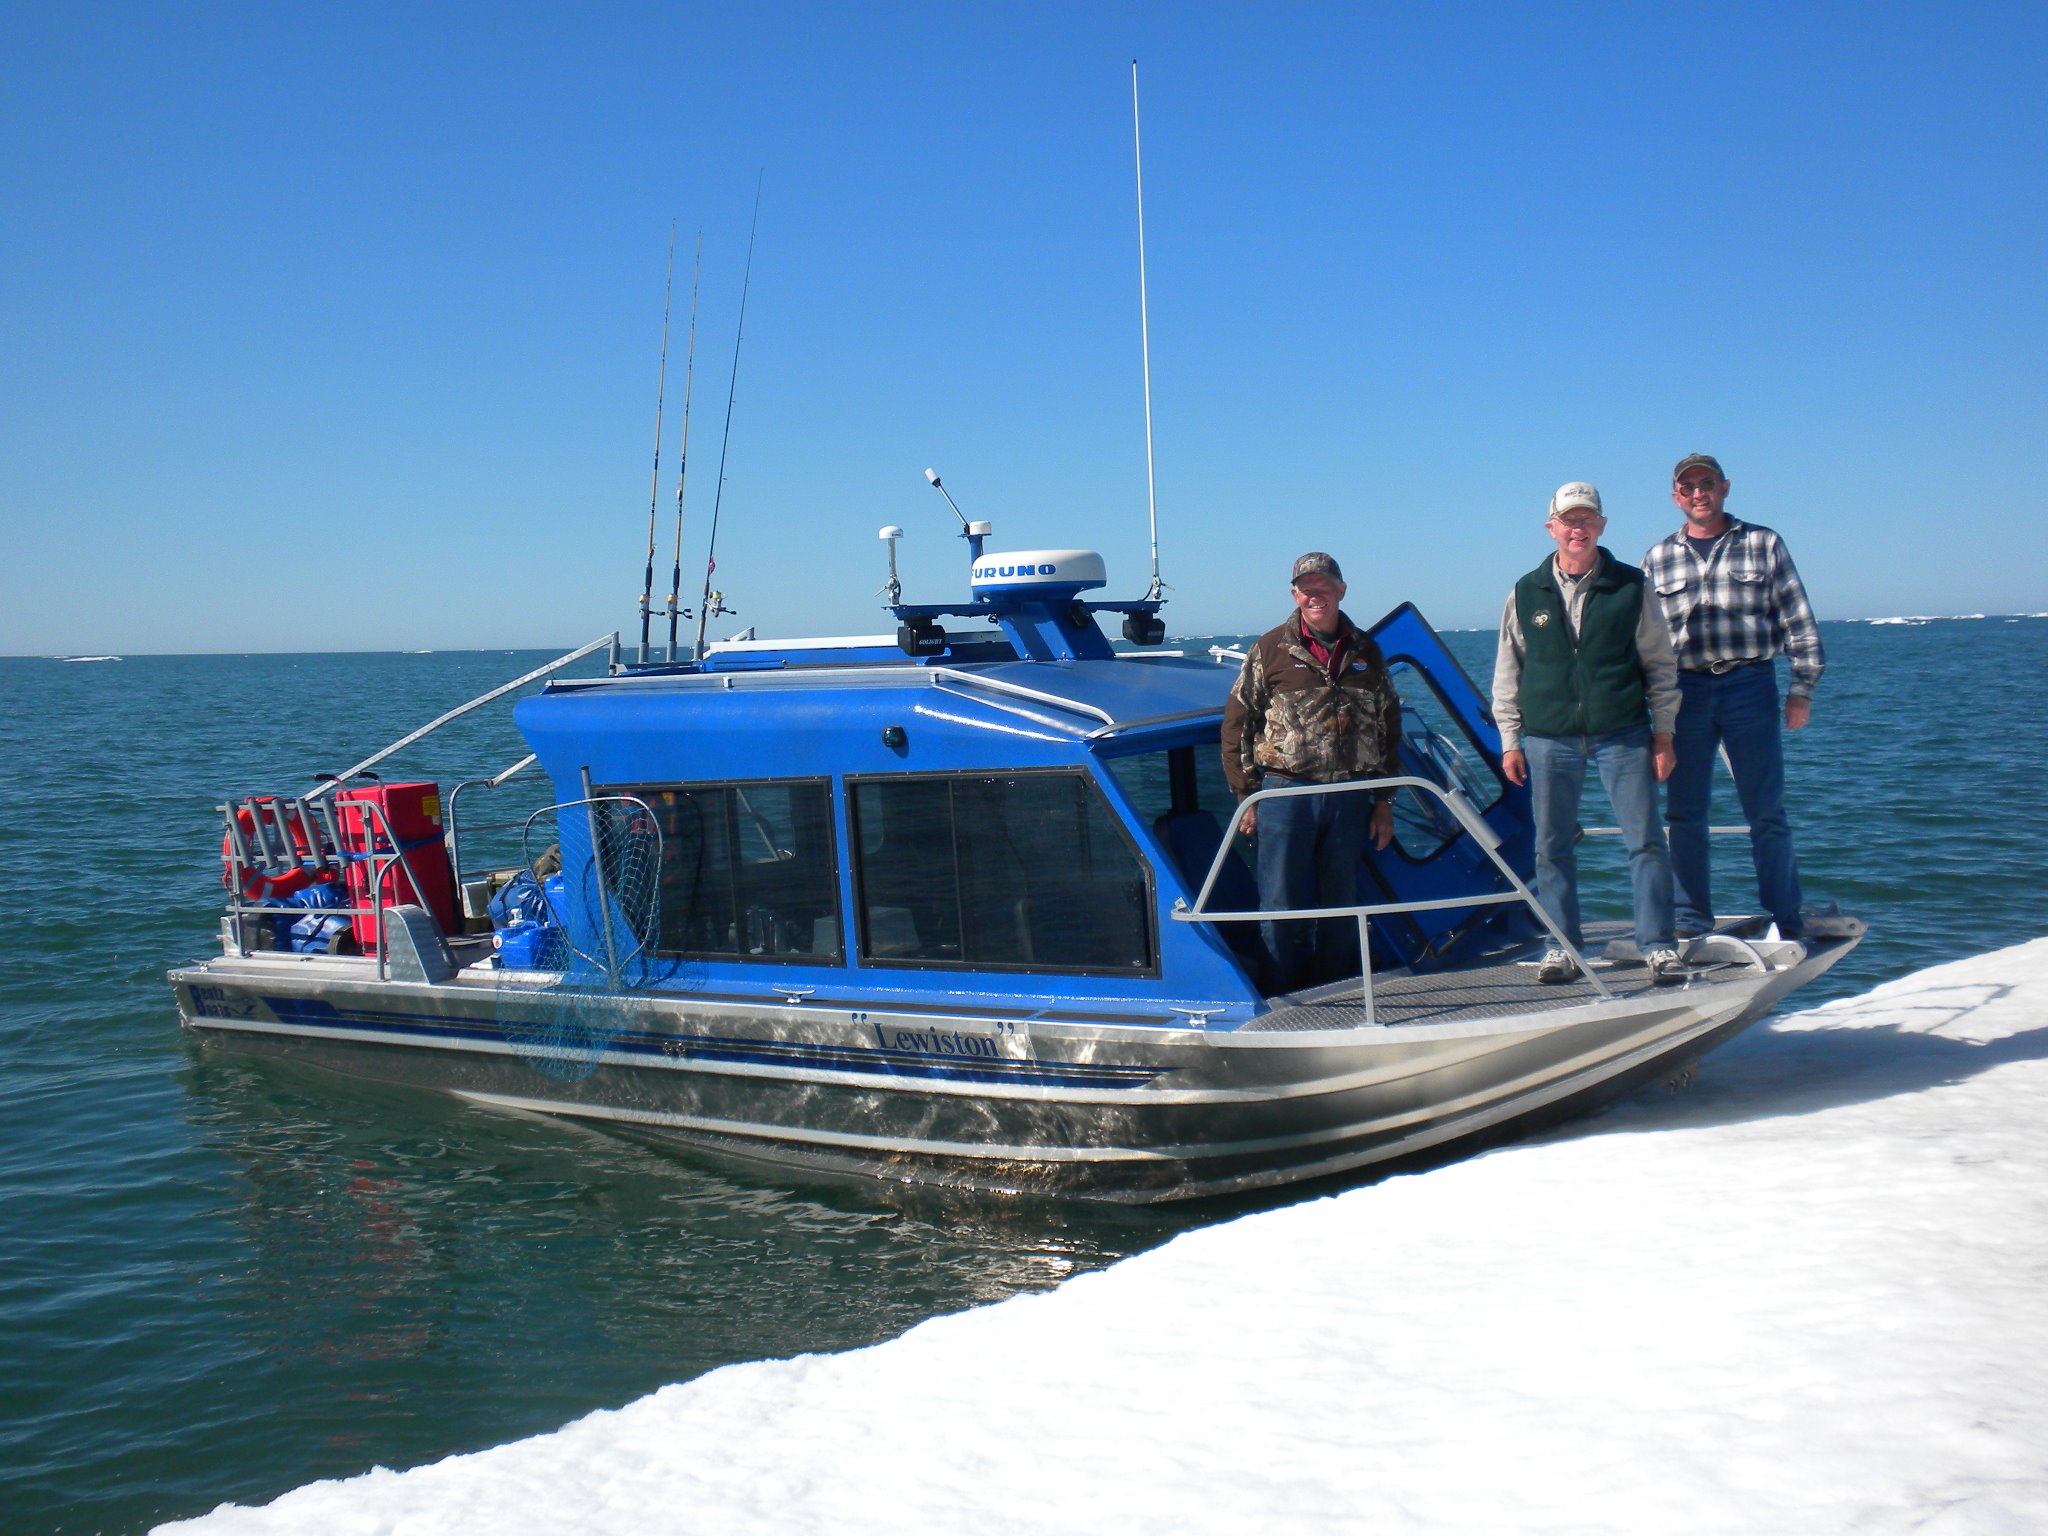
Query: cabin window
[1434, 745]
[1175, 781]
[1182, 795]
[748, 871]
[1018, 871]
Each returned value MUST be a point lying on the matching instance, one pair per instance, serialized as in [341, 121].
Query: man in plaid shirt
[1733, 600]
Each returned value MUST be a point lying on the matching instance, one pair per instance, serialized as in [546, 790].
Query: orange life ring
[255, 885]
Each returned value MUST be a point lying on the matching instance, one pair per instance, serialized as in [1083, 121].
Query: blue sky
[337, 328]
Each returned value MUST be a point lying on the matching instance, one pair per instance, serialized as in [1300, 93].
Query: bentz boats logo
[218, 1003]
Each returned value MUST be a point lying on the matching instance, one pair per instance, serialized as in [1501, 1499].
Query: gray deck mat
[1488, 990]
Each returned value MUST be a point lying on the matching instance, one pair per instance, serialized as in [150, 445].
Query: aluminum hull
[1064, 1106]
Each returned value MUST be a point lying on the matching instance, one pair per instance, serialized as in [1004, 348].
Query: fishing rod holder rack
[257, 854]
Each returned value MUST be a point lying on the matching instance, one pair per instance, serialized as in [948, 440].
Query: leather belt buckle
[1723, 668]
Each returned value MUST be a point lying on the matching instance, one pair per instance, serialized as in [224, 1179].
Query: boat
[956, 906]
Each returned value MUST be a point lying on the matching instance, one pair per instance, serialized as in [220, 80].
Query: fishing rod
[675, 577]
[1154, 592]
[660, 393]
[714, 602]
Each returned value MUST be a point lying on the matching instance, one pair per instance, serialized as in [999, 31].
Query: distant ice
[1940, 618]
[1805, 1295]
[88, 658]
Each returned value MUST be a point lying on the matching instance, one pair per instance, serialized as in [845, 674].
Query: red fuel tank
[411, 814]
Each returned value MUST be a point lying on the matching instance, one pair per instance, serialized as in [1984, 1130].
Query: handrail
[380, 861]
[495, 781]
[1153, 722]
[478, 702]
[1743, 830]
[943, 675]
[963, 684]
[1461, 810]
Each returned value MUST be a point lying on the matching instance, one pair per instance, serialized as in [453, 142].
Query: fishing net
[574, 996]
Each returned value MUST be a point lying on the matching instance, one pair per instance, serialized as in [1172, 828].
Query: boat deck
[1507, 985]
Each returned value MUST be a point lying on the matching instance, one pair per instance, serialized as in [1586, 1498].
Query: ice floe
[1804, 1294]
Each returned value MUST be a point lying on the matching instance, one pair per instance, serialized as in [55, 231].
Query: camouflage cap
[1316, 563]
[1699, 461]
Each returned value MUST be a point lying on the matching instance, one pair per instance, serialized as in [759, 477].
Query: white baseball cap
[1574, 496]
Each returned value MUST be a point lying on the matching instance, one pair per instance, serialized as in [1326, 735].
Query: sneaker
[1666, 969]
[1555, 966]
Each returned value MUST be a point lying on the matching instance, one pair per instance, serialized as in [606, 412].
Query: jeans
[1737, 710]
[1557, 778]
[1308, 850]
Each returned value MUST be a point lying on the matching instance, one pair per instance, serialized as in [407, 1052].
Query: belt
[1722, 668]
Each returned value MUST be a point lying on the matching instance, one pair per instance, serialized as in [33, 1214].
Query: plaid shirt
[1744, 602]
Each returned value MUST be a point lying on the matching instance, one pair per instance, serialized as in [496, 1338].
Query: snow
[1940, 618]
[1804, 1294]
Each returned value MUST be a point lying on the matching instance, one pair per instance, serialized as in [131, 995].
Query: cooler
[412, 814]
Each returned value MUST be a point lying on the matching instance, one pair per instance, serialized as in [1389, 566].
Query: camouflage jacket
[1287, 713]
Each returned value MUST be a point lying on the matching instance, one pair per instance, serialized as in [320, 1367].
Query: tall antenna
[660, 391]
[1153, 593]
[710, 599]
[675, 576]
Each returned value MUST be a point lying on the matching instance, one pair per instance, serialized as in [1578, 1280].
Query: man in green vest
[1585, 674]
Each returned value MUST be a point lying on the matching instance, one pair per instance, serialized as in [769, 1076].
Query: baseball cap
[1316, 563]
[1573, 496]
[1699, 461]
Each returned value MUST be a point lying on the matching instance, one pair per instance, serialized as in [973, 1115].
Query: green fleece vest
[1595, 685]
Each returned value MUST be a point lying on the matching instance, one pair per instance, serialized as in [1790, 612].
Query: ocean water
[221, 1278]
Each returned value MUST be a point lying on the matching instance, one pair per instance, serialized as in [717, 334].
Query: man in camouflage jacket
[1313, 704]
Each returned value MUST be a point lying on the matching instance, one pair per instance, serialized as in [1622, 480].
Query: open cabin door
[1448, 735]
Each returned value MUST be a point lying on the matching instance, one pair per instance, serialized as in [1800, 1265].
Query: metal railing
[455, 828]
[331, 861]
[271, 837]
[601, 642]
[1459, 807]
